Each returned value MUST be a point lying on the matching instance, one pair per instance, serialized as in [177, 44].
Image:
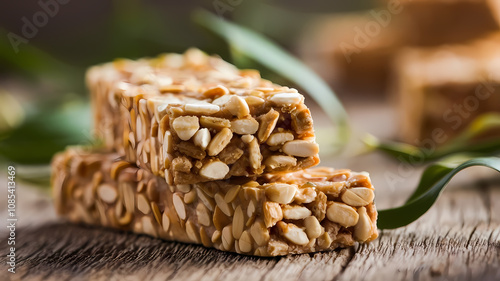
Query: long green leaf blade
[466, 142]
[421, 202]
[278, 60]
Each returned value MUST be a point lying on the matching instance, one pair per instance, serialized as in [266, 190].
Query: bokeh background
[401, 68]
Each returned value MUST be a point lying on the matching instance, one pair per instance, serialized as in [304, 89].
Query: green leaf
[465, 142]
[43, 134]
[433, 181]
[272, 56]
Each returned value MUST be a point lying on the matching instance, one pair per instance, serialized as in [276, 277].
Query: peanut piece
[272, 213]
[202, 138]
[286, 98]
[295, 212]
[185, 126]
[214, 170]
[219, 142]
[246, 126]
[280, 192]
[201, 108]
[313, 227]
[267, 124]
[342, 214]
[255, 155]
[358, 196]
[275, 162]
[301, 148]
[279, 138]
[293, 233]
[363, 230]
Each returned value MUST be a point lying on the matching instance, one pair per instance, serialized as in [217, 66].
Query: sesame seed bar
[193, 118]
[269, 215]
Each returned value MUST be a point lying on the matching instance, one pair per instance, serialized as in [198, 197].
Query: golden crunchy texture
[270, 215]
[194, 118]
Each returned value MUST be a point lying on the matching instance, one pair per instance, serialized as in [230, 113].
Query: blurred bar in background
[427, 56]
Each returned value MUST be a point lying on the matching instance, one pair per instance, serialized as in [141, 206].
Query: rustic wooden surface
[458, 239]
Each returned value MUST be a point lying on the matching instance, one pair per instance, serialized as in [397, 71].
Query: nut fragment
[205, 240]
[223, 205]
[205, 199]
[201, 108]
[272, 213]
[179, 206]
[236, 105]
[277, 248]
[238, 222]
[279, 138]
[216, 236]
[227, 237]
[117, 167]
[255, 155]
[293, 233]
[305, 195]
[214, 122]
[245, 242]
[202, 138]
[324, 241]
[190, 197]
[185, 126]
[267, 124]
[107, 193]
[245, 126]
[363, 230]
[192, 232]
[165, 222]
[232, 193]
[259, 232]
[183, 187]
[219, 142]
[280, 192]
[254, 101]
[203, 215]
[313, 228]
[147, 226]
[301, 148]
[156, 212]
[277, 162]
[216, 91]
[342, 214]
[214, 170]
[295, 212]
[286, 98]
[220, 219]
[143, 204]
[358, 196]
[247, 138]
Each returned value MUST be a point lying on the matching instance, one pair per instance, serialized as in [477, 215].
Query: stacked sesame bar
[198, 151]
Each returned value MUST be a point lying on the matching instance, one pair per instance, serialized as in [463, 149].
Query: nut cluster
[306, 211]
[221, 134]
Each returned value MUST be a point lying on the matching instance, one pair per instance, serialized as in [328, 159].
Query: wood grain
[459, 239]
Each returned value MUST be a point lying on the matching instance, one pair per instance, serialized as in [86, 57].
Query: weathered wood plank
[458, 239]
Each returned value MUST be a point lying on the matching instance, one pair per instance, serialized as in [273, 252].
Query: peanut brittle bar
[442, 90]
[270, 215]
[195, 121]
